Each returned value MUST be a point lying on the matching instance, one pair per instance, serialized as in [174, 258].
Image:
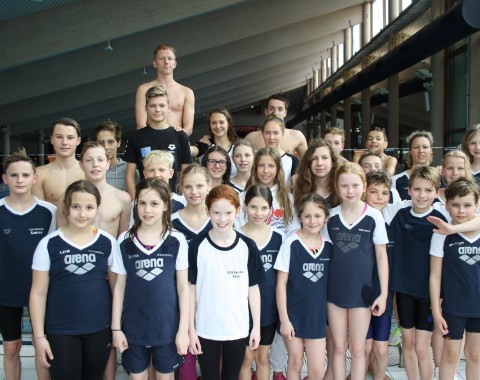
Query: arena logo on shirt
[313, 271]
[148, 269]
[267, 261]
[348, 241]
[80, 263]
[466, 254]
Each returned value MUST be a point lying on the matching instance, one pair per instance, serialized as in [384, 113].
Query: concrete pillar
[315, 79]
[323, 121]
[334, 58]
[347, 121]
[474, 80]
[437, 96]
[393, 95]
[367, 23]
[347, 103]
[6, 140]
[324, 69]
[366, 37]
[41, 148]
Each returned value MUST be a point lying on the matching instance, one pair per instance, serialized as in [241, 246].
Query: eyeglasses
[221, 163]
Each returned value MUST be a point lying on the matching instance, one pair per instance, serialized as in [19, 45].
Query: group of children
[316, 249]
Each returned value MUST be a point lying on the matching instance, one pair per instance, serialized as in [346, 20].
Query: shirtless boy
[55, 177]
[293, 141]
[113, 213]
[182, 100]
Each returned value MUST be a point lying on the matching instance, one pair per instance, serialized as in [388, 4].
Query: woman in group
[420, 153]
[218, 164]
[221, 132]
[70, 302]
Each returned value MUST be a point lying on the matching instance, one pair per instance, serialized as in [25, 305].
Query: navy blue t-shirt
[351, 269]
[308, 274]
[20, 233]
[460, 273]
[268, 255]
[151, 312]
[410, 236]
[79, 300]
[179, 225]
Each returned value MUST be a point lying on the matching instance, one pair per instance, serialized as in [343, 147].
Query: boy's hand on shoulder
[442, 227]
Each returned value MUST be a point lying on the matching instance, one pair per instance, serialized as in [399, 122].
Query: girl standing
[258, 203]
[225, 269]
[316, 172]
[243, 154]
[273, 130]
[358, 232]
[150, 298]
[471, 147]
[70, 297]
[420, 153]
[455, 165]
[218, 163]
[221, 132]
[192, 221]
[267, 170]
[302, 265]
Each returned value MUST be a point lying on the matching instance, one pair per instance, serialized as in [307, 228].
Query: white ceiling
[231, 53]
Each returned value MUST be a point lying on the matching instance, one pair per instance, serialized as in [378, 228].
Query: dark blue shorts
[11, 323]
[457, 326]
[414, 312]
[165, 359]
[379, 328]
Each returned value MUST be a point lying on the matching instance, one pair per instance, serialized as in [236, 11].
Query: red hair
[222, 192]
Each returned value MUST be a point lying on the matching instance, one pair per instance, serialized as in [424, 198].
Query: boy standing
[455, 271]
[410, 236]
[294, 140]
[55, 177]
[182, 100]
[24, 221]
[158, 135]
[109, 133]
[114, 211]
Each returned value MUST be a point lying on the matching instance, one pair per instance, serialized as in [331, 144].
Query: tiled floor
[396, 373]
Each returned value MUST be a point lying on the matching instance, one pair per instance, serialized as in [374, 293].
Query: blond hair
[163, 156]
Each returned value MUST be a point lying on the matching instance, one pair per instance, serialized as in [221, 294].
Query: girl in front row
[357, 232]
[224, 272]
[303, 263]
[258, 203]
[150, 298]
[192, 221]
[70, 297]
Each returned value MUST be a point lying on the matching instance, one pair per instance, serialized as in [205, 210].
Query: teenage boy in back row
[157, 135]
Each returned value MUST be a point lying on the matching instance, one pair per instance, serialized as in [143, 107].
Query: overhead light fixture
[108, 47]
